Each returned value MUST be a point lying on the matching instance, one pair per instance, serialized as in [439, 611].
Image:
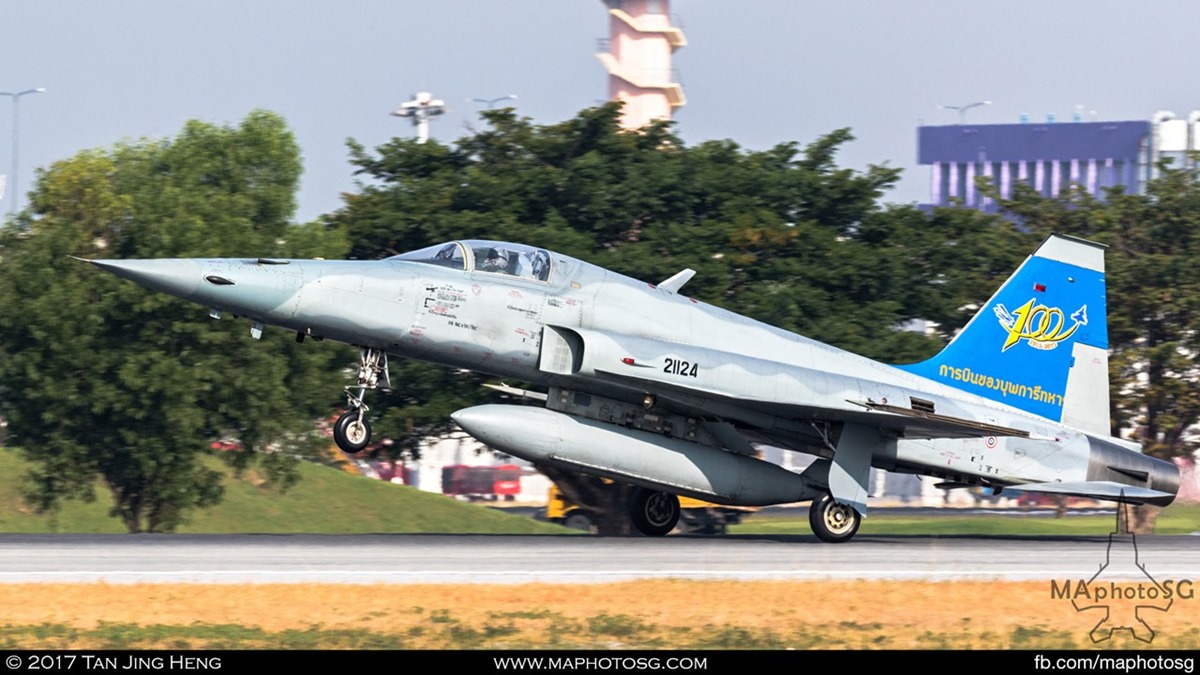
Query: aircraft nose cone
[179, 277]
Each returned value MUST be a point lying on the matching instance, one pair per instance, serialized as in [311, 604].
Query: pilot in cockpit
[496, 261]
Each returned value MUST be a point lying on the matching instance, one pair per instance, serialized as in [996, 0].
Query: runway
[420, 559]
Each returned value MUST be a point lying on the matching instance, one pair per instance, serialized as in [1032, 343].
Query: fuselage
[463, 316]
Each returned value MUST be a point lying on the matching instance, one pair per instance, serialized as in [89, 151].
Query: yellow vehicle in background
[696, 517]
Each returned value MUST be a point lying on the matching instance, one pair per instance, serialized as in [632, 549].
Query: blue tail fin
[1041, 342]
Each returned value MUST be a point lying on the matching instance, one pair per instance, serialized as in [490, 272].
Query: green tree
[783, 235]
[104, 381]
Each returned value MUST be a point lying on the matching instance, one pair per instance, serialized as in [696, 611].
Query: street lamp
[422, 107]
[491, 102]
[16, 103]
[962, 109]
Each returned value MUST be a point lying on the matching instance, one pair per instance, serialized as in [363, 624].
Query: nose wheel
[352, 431]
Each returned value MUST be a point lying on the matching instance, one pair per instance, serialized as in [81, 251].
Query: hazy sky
[759, 72]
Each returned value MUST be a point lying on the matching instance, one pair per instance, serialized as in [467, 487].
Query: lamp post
[491, 102]
[16, 106]
[962, 109]
[422, 107]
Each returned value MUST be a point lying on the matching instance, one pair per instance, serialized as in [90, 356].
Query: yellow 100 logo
[1041, 326]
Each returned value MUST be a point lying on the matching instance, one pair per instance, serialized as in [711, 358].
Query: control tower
[637, 55]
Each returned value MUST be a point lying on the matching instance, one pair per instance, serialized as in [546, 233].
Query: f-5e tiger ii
[647, 386]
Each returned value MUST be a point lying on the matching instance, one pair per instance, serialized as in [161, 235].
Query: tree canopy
[784, 235]
[102, 380]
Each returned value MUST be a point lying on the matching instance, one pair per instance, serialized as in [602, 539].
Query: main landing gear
[352, 432]
[833, 522]
[653, 513]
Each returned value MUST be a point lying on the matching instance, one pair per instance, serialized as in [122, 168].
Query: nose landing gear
[352, 432]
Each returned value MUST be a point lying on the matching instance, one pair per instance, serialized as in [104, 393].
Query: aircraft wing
[901, 421]
[758, 392]
[1099, 489]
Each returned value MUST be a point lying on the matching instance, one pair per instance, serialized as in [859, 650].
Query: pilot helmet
[497, 259]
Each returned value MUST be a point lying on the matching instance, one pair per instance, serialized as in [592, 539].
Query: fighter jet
[647, 386]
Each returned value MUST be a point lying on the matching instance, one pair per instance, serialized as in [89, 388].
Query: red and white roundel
[990, 441]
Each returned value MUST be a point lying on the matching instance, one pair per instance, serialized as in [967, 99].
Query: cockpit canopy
[479, 255]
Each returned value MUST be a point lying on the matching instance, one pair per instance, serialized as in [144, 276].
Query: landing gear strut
[833, 522]
[352, 432]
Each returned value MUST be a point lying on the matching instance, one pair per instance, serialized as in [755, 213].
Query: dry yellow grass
[661, 613]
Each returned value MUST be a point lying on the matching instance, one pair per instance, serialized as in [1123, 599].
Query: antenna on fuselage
[677, 280]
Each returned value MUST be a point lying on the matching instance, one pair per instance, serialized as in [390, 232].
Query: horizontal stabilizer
[1099, 489]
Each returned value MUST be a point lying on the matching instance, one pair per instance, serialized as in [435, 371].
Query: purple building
[1050, 157]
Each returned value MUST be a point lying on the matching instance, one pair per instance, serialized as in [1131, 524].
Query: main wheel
[653, 513]
[351, 433]
[833, 522]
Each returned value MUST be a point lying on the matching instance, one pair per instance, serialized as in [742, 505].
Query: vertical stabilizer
[1041, 342]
